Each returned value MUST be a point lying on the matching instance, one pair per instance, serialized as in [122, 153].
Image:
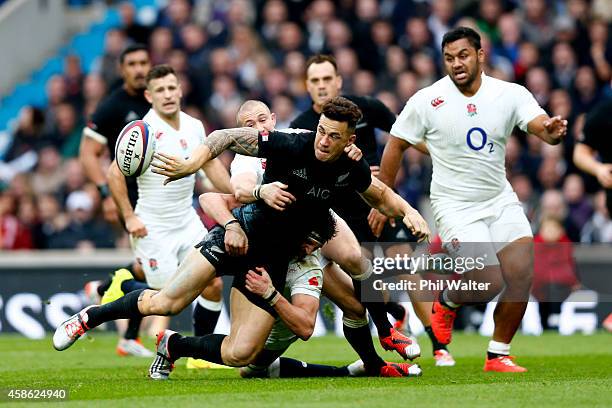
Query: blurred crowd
[226, 51]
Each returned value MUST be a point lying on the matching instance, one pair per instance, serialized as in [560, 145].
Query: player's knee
[216, 286]
[240, 355]
[164, 306]
[519, 274]
[214, 290]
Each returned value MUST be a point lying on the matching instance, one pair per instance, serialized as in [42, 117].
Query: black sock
[374, 303]
[435, 344]
[131, 285]
[494, 355]
[204, 320]
[360, 339]
[396, 310]
[204, 347]
[131, 333]
[126, 307]
[104, 286]
[290, 368]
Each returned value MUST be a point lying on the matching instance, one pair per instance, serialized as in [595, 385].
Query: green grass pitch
[571, 371]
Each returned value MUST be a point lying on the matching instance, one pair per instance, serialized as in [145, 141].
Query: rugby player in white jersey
[164, 224]
[465, 120]
[246, 179]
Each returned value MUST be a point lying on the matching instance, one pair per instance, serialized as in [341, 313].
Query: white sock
[210, 304]
[274, 369]
[499, 348]
[356, 369]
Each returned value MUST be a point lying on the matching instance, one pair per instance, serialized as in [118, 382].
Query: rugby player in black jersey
[316, 170]
[323, 82]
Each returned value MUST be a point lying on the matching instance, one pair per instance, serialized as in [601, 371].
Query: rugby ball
[134, 148]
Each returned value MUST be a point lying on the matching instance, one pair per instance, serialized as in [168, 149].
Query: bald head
[256, 114]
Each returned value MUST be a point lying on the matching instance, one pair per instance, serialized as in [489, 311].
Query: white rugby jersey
[169, 204]
[466, 136]
[248, 164]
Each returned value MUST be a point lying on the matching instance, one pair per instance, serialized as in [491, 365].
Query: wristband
[257, 192]
[275, 299]
[103, 190]
[230, 222]
[270, 296]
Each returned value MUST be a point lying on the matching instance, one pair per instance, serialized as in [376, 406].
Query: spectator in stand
[115, 41]
[526, 195]
[601, 49]
[441, 18]
[160, 45]
[554, 269]
[274, 14]
[174, 17]
[13, 234]
[136, 32]
[586, 93]
[489, 13]
[599, 228]
[579, 206]
[94, 90]
[564, 65]
[66, 134]
[537, 22]
[73, 80]
[83, 231]
[510, 37]
[552, 205]
[48, 176]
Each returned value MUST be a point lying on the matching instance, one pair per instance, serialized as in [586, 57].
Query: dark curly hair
[342, 110]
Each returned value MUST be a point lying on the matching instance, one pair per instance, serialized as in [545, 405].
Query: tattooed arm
[239, 140]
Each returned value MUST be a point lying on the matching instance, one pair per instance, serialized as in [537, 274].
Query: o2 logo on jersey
[474, 144]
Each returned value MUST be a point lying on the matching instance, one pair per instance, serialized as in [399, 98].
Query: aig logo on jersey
[471, 110]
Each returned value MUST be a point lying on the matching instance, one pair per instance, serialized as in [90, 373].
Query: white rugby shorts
[481, 229]
[161, 251]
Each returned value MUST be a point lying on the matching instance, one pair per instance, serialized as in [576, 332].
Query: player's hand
[171, 166]
[259, 283]
[417, 225]
[353, 152]
[375, 170]
[236, 241]
[275, 196]
[110, 211]
[604, 175]
[135, 227]
[556, 127]
[377, 221]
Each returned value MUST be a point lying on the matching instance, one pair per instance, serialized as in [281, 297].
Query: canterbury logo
[437, 102]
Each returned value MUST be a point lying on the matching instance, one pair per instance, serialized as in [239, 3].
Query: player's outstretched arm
[218, 207]
[381, 197]
[239, 140]
[218, 175]
[299, 315]
[551, 130]
[119, 192]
